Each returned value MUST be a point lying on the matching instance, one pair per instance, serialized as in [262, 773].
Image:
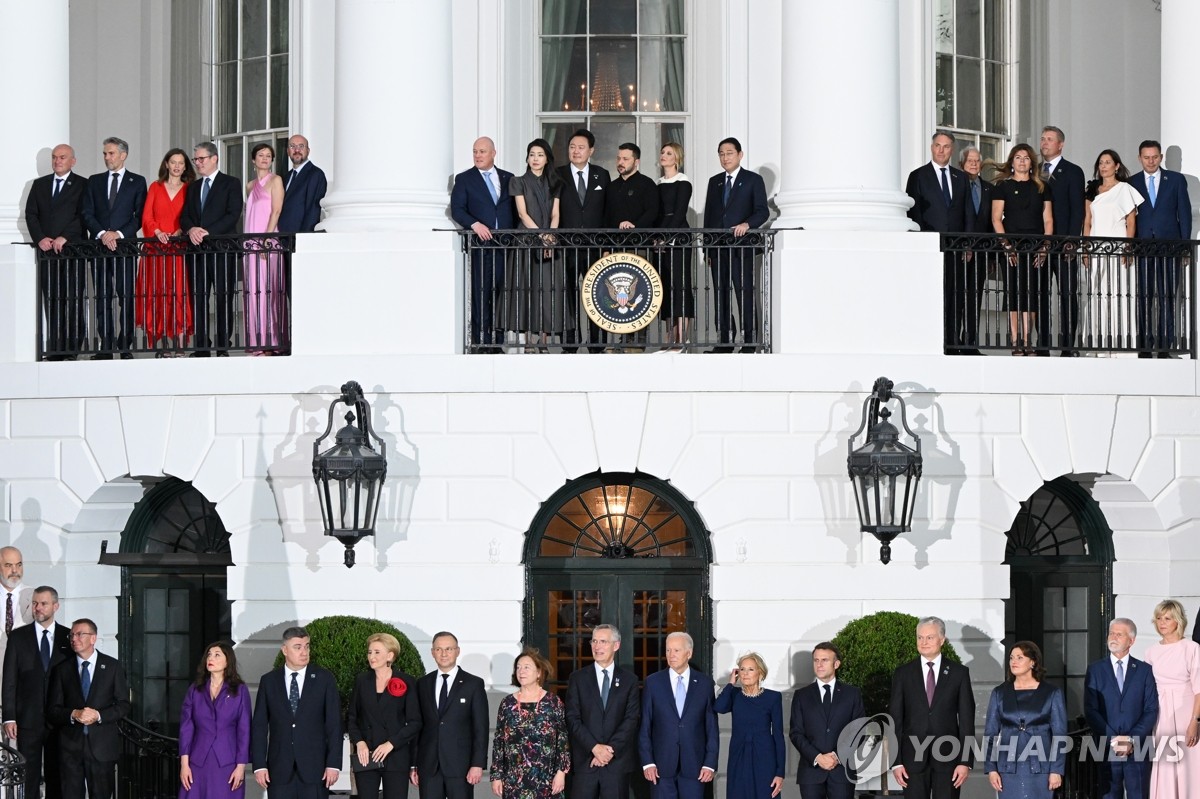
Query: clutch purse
[371, 764]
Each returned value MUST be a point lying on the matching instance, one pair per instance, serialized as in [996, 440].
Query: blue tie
[204, 193]
[1153, 193]
[45, 650]
[680, 695]
[975, 194]
[728, 189]
[487, 178]
[85, 682]
[1121, 676]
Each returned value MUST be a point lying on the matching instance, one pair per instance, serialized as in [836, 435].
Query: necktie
[112, 189]
[444, 695]
[929, 684]
[728, 188]
[975, 194]
[1121, 676]
[828, 698]
[582, 187]
[291, 174]
[85, 682]
[45, 650]
[680, 695]
[1153, 193]
[204, 192]
[8, 615]
[1046, 171]
[946, 187]
[604, 689]
[487, 178]
[57, 187]
[294, 694]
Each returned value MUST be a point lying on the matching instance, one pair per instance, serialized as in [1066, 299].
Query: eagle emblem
[620, 287]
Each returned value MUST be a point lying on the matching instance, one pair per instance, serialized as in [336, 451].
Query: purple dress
[266, 300]
[215, 735]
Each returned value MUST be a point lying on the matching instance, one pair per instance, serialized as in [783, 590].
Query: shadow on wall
[831, 475]
[1173, 160]
[943, 472]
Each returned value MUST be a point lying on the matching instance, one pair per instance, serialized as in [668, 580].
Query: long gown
[675, 263]
[163, 307]
[1019, 731]
[536, 285]
[529, 746]
[266, 302]
[1111, 284]
[757, 753]
[1177, 673]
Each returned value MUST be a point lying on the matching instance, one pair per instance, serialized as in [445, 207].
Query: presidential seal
[622, 292]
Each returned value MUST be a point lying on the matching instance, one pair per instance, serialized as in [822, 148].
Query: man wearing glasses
[303, 189]
[603, 710]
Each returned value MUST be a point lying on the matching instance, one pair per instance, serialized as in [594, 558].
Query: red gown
[163, 306]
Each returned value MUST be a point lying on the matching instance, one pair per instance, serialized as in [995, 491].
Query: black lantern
[884, 471]
[350, 474]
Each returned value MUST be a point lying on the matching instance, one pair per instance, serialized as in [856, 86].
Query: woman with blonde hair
[383, 720]
[757, 754]
[674, 261]
[1176, 663]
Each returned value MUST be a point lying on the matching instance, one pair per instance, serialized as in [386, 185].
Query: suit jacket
[302, 200]
[814, 729]
[376, 718]
[50, 216]
[589, 213]
[1111, 712]
[1171, 215]
[25, 682]
[1066, 198]
[929, 209]
[980, 221]
[125, 215]
[952, 712]
[456, 740]
[747, 201]
[109, 695]
[22, 614]
[310, 739]
[471, 201]
[215, 730]
[590, 723]
[221, 212]
[678, 744]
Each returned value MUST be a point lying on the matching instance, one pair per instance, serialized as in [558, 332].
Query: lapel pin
[616, 683]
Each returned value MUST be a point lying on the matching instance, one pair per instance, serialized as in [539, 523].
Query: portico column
[1180, 116]
[392, 132]
[841, 117]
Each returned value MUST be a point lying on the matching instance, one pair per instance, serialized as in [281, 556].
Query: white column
[392, 129]
[841, 117]
[1180, 116]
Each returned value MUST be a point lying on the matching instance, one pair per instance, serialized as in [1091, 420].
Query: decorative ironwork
[173, 517]
[616, 521]
[12, 772]
[148, 767]
[1060, 519]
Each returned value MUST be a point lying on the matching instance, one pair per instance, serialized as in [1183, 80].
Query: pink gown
[1177, 673]
[266, 302]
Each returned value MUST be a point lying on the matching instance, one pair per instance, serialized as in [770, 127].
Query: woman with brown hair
[1024, 729]
[1021, 204]
[530, 754]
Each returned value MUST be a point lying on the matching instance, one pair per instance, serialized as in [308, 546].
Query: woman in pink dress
[1176, 663]
[266, 302]
[163, 308]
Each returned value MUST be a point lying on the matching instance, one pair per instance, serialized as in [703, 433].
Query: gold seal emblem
[622, 292]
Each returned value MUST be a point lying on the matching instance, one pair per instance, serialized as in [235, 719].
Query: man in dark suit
[1166, 214]
[940, 195]
[736, 201]
[1065, 181]
[678, 741]
[112, 211]
[971, 268]
[296, 733]
[452, 749]
[1120, 702]
[603, 709]
[303, 189]
[212, 207]
[820, 711]
[54, 215]
[86, 697]
[931, 698]
[33, 650]
[585, 188]
[480, 201]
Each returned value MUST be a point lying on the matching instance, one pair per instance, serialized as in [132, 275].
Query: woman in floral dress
[530, 755]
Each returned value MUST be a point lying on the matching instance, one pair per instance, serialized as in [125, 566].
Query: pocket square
[598, 188]
[462, 700]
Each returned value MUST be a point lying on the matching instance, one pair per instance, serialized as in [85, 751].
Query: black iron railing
[229, 294]
[577, 290]
[149, 764]
[1079, 779]
[1031, 295]
[12, 772]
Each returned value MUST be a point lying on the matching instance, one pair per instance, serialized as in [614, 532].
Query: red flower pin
[396, 687]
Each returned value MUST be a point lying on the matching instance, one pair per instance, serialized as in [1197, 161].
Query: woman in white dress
[1110, 208]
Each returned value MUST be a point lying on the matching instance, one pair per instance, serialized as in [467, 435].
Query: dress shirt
[612, 670]
[493, 178]
[91, 661]
[832, 686]
[937, 669]
[437, 684]
[1156, 174]
[120, 173]
[1053, 162]
[1112, 661]
[577, 171]
[937, 170]
[734, 174]
[287, 680]
[294, 173]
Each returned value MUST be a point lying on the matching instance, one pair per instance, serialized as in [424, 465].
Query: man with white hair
[16, 598]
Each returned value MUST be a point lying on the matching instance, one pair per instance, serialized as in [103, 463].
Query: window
[616, 67]
[973, 73]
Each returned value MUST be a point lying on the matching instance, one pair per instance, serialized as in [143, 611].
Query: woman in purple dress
[214, 729]
[266, 301]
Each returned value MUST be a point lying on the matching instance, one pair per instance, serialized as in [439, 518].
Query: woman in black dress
[383, 720]
[675, 258]
[537, 278]
[1021, 204]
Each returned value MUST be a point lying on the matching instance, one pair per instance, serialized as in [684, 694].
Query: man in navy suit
[1120, 702]
[585, 189]
[480, 201]
[451, 752]
[1166, 214]
[971, 271]
[603, 709]
[1065, 181]
[296, 733]
[303, 189]
[820, 711]
[212, 207]
[112, 211]
[737, 202]
[678, 742]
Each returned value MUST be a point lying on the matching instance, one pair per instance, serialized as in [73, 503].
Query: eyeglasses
[298, 147]
[81, 635]
[201, 158]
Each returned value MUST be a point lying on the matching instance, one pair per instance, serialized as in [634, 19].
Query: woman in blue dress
[1025, 729]
[757, 755]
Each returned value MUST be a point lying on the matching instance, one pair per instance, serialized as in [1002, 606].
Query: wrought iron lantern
[884, 471]
[350, 474]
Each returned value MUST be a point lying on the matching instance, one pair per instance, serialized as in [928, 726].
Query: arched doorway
[1060, 556]
[622, 549]
[173, 556]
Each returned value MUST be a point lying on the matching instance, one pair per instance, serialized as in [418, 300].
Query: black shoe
[222, 353]
[1069, 354]
[748, 349]
[570, 350]
[126, 356]
[1042, 353]
[1145, 354]
[723, 349]
[102, 356]
[199, 354]
[1165, 355]
[595, 350]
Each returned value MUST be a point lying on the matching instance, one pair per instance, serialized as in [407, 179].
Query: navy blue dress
[1023, 723]
[757, 753]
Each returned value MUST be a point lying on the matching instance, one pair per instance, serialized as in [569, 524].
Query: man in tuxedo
[296, 733]
[820, 711]
[212, 207]
[1065, 181]
[452, 749]
[971, 268]
[585, 188]
[303, 189]
[112, 211]
[86, 697]
[737, 202]
[1120, 702]
[32, 652]
[17, 598]
[603, 709]
[931, 698]
[939, 192]
[1166, 214]
[678, 741]
[480, 201]
[54, 215]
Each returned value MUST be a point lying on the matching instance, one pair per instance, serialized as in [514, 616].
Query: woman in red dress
[163, 308]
